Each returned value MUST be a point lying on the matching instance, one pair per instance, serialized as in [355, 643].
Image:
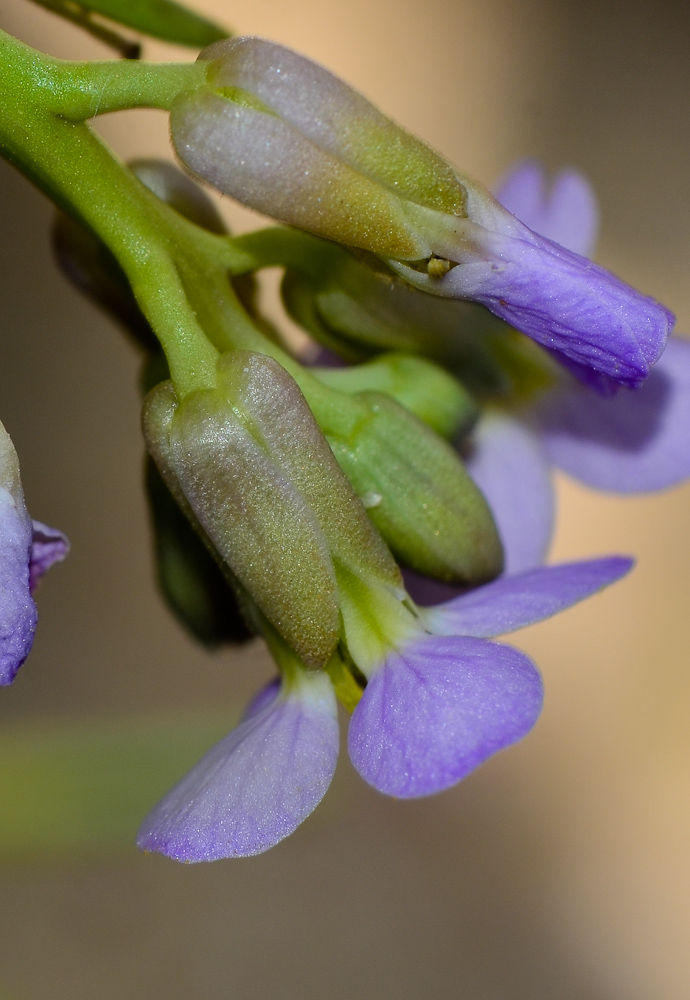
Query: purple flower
[27, 550]
[439, 700]
[445, 701]
[634, 441]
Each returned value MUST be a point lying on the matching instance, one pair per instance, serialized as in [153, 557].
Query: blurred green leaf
[67, 790]
[162, 19]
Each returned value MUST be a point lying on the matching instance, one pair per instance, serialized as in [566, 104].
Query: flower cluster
[469, 344]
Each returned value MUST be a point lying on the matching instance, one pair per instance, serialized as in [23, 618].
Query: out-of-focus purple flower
[48, 546]
[634, 441]
[444, 701]
[27, 550]
[258, 784]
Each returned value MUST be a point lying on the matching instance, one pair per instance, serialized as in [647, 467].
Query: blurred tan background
[561, 868]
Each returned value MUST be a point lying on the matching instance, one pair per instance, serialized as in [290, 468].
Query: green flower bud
[420, 386]
[248, 463]
[356, 309]
[190, 579]
[415, 489]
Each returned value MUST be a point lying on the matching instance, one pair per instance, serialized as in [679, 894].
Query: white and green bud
[249, 465]
[282, 134]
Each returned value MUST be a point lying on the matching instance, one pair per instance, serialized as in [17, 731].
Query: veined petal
[257, 785]
[510, 467]
[559, 299]
[634, 441]
[17, 609]
[512, 602]
[437, 709]
[48, 546]
[566, 213]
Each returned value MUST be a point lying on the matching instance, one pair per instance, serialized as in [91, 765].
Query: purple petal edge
[635, 442]
[48, 546]
[566, 211]
[256, 786]
[17, 609]
[512, 602]
[437, 709]
[510, 467]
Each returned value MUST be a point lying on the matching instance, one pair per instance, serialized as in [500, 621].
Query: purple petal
[48, 546]
[262, 699]
[17, 609]
[512, 602]
[437, 709]
[559, 299]
[635, 441]
[257, 785]
[510, 467]
[566, 302]
[567, 214]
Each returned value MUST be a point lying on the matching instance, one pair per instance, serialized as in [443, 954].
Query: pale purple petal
[437, 709]
[636, 441]
[17, 609]
[512, 602]
[566, 213]
[257, 785]
[48, 546]
[510, 467]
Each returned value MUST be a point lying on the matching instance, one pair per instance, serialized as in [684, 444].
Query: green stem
[81, 90]
[69, 163]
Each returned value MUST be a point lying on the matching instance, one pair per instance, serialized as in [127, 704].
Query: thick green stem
[66, 160]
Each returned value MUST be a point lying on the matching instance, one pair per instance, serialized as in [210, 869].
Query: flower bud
[354, 310]
[420, 386]
[189, 578]
[248, 463]
[415, 489]
[284, 136]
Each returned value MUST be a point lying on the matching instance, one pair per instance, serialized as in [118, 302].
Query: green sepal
[190, 580]
[420, 386]
[164, 19]
[415, 489]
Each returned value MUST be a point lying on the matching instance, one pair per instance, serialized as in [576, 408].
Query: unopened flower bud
[353, 309]
[249, 464]
[415, 489]
[421, 387]
[190, 579]
[286, 137]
